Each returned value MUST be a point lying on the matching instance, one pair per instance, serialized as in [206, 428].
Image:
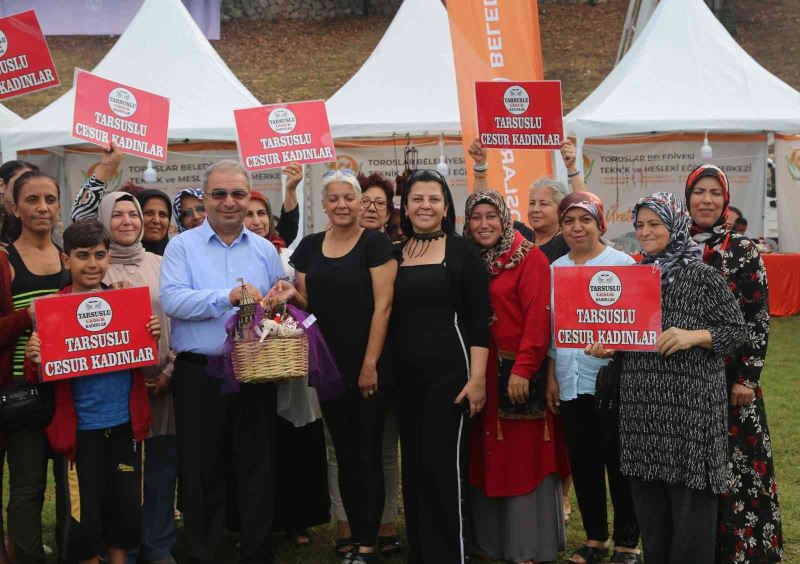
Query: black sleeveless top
[24, 289]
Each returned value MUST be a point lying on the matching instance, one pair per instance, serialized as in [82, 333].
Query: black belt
[193, 357]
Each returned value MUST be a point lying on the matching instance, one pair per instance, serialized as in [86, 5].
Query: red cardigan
[512, 457]
[63, 429]
[12, 323]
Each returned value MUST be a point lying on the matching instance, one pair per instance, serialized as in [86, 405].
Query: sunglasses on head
[426, 174]
[220, 194]
[339, 172]
[199, 209]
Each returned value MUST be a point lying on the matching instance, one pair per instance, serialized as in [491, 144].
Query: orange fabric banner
[498, 39]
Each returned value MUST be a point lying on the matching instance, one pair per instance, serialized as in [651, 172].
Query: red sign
[274, 136]
[618, 306]
[25, 62]
[519, 115]
[135, 120]
[95, 332]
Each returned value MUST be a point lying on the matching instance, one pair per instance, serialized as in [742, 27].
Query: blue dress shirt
[576, 371]
[197, 274]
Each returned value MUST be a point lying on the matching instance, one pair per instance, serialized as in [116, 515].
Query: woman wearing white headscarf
[131, 266]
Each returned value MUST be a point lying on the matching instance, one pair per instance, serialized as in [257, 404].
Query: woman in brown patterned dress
[749, 520]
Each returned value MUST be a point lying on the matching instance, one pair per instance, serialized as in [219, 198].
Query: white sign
[623, 171]
[787, 184]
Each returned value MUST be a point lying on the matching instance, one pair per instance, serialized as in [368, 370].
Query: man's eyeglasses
[379, 204]
[220, 194]
[199, 209]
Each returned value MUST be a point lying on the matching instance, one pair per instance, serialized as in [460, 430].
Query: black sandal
[344, 546]
[620, 557]
[591, 554]
[389, 545]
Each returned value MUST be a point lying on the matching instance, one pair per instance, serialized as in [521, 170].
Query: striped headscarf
[681, 248]
[496, 257]
[176, 204]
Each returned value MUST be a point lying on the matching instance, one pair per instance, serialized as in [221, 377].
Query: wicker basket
[277, 359]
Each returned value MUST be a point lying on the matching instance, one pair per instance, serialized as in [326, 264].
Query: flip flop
[389, 545]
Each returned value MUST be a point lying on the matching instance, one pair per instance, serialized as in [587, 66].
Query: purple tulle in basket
[323, 375]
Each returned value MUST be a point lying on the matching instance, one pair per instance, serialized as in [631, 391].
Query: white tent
[8, 119]
[407, 87]
[408, 83]
[686, 73]
[162, 51]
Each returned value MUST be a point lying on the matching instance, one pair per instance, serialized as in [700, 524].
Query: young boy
[99, 423]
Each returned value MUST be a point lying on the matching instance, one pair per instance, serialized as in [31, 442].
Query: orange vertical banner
[496, 40]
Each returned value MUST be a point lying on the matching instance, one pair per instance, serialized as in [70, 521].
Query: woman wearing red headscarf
[592, 443]
[749, 516]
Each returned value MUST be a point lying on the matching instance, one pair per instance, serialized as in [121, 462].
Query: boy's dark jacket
[62, 431]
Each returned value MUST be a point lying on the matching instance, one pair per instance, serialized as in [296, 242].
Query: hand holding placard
[33, 350]
[276, 135]
[519, 115]
[154, 327]
[25, 62]
[601, 309]
[95, 332]
[107, 112]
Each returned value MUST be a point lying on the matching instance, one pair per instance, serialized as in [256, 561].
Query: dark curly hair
[379, 181]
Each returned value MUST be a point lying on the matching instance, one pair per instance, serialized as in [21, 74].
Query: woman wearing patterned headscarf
[591, 441]
[739, 537]
[188, 208]
[673, 437]
[516, 492]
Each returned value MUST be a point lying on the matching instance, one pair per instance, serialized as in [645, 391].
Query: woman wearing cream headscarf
[131, 265]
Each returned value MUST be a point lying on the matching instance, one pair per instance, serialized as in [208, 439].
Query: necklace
[419, 243]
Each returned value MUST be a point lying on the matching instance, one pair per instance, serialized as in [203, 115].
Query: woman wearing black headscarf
[740, 537]
[673, 437]
[440, 341]
[156, 216]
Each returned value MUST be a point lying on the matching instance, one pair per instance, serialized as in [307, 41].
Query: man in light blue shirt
[200, 292]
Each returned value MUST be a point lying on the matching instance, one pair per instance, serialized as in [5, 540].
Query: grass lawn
[780, 387]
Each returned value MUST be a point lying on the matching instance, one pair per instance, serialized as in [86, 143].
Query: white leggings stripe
[458, 455]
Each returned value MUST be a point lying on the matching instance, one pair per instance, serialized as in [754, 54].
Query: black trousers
[593, 448]
[26, 452]
[224, 439]
[105, 486]
[356, 427]
[678, 523]
[434, 438]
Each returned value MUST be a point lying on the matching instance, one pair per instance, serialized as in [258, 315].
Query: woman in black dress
[345, 277]
[440, 346]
